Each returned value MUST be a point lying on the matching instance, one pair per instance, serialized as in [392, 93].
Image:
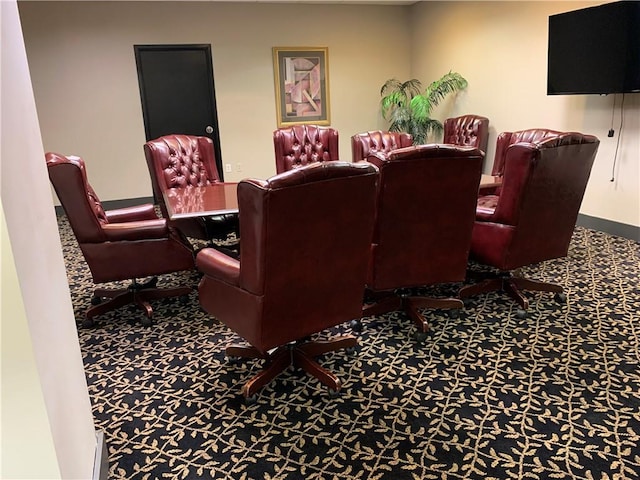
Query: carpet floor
[487, 395]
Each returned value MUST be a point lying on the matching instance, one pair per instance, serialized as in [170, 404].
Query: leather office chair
[503, 142]
[183, 161]
[122, 244]
[471, 130]
[302, 268]
[364, 144]
[301, 145]
[425, 213]
[533, 218]
[506, 139]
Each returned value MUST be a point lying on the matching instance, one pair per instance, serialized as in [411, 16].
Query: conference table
[221, 198]
[489, 181]
[215, 199]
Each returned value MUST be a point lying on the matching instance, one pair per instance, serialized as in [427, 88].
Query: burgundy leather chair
[506, 139]
[183, 161]
[364, 144]
[306, 236]
[122, 244]
[503, 142]
[533, 218]
[425, 213]
[471, 130]
[301, 145]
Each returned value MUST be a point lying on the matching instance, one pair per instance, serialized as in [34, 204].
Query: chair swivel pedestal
[137, 294]
[411, 305]
[512, 285]
[300, 354]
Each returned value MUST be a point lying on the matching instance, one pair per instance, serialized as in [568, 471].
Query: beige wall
[84, 76]
[501, 48]
[85, 81]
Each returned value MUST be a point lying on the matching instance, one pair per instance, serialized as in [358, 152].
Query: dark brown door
[177, 92]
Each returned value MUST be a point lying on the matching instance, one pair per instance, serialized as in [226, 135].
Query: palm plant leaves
[409, 110]
[398, 95]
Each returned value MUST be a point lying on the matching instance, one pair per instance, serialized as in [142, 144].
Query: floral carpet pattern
[486, 396]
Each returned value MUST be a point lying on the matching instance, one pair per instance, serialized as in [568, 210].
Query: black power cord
[615, 155]
[613, 112]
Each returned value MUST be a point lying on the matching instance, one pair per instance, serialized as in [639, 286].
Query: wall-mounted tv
[595, 50]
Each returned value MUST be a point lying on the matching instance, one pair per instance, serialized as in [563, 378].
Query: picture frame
[302, 85]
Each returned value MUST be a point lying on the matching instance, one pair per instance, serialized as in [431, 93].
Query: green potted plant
[408, 109]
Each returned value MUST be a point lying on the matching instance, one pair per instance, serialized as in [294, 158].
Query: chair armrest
[216, 264]
[376, 158]
[486, 207]
[131, 214]
[142, 230]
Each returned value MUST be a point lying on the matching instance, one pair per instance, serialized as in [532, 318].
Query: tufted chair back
[179, 161]
[471, 130]
[183, 161]
[364, 144]
[301, 145]
[506, 139]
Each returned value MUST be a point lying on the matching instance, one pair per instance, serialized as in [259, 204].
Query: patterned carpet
[486, 396]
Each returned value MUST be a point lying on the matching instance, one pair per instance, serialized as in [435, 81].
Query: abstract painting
[302, 85]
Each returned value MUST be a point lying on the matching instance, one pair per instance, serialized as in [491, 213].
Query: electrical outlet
[238, 167]
[227, 167]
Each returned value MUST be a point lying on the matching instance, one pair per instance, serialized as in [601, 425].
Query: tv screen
[595, 50]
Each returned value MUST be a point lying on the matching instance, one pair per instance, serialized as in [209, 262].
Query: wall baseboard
[613, 228]
[101, 461]
[594, 223]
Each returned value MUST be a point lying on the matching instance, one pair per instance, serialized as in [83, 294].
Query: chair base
[298, 354]
[391, 301]
[511, 285]
[138, 294]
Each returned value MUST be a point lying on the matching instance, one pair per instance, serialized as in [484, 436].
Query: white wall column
[45, 402]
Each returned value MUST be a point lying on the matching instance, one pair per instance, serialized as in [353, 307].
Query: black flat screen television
[595, 50]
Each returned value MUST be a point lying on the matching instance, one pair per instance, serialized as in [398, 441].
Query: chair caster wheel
[334, 393]
[420, 336]
[146, 322]
[454, 313]
[233, 360]
[356, 325]
[560, 297]
[521, 314]
[87, 323]
[96, 300]
[248, 401]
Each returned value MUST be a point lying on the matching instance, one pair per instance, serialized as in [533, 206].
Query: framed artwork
[302, 85]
